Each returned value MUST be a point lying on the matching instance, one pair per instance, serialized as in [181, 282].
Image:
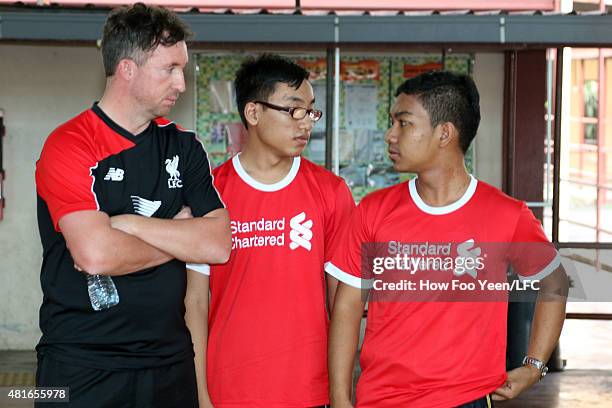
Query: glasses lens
[315, 115]
[299, 113]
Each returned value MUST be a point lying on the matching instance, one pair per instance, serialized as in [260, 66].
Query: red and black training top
[92, 163]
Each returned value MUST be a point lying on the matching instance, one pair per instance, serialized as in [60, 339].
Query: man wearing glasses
[265, 344]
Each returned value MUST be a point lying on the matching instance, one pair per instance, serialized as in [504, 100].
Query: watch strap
[540, 365]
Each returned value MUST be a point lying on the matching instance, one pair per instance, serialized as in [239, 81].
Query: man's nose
[307, 123]
[179, 81]
[390, 136]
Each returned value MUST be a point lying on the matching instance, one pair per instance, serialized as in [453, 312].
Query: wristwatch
[537, 364]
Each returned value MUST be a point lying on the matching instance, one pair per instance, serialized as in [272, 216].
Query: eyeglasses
[296, 113]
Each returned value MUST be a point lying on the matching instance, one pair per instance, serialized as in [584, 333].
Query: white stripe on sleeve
[201, 268]
[347, 278]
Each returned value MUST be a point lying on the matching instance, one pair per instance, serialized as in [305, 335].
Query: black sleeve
[199, 191]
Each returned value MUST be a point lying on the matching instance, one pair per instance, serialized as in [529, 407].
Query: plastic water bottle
[102, 292]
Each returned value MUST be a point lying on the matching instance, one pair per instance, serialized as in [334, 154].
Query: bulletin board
[367, 89]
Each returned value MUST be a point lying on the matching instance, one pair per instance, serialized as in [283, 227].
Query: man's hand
[183, 214]
[519, 380]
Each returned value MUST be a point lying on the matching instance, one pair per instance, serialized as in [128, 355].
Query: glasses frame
[311, 113]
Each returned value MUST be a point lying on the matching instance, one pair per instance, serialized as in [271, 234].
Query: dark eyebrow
[298, 99]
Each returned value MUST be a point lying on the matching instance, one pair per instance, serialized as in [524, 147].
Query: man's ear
[448, 134]
[126, 69]
[251, 113]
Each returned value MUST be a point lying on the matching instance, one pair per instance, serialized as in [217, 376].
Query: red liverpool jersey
[438, 354]
[267, 344]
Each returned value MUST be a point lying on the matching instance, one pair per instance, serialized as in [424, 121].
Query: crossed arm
[123, 244]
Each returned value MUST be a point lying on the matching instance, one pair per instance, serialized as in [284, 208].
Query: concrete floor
[22, 367]
[567, 389]
[17, 361]
[586, 383]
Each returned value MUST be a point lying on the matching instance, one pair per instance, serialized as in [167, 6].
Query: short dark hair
[131, 32]
[447, 97]
[256, 79]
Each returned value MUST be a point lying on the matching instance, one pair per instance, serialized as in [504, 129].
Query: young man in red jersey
[432, 351]
[266, 332]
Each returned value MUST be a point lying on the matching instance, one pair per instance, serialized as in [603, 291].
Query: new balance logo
[465, 250]
[301, 232]
[114, 174]
[145, 207]
[172, 168]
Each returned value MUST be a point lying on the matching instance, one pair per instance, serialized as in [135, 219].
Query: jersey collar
[447, 209]
[266, 187]
[116, 127]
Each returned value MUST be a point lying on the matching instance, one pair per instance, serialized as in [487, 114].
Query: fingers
[502, 393]
[78, 268]
[184, 213]
[514, 385]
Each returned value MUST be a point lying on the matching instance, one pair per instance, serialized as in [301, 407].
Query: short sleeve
[531, 254]
[64, 179]
[343, 207]
[199, 192]
[204, 269]
[346, 262]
